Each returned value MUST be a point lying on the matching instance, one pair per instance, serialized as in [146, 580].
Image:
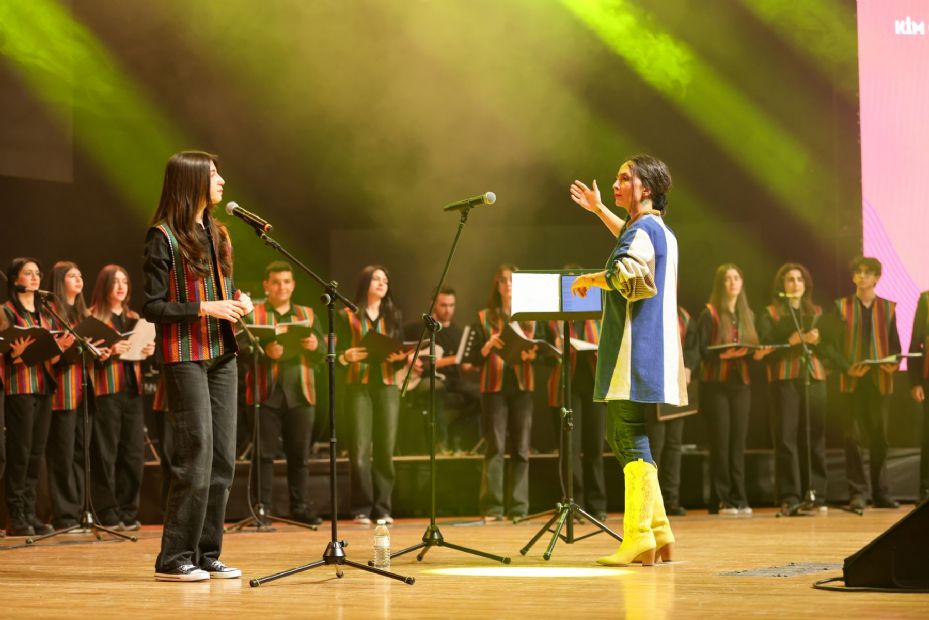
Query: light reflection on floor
[529, 571]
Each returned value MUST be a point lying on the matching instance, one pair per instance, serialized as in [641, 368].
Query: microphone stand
[260, 516]
[334, 555]
[432, 537]
[89, 521]
[806, 371]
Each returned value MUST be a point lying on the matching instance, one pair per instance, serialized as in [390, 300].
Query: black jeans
[65, 486]
[202, 419]
[727, 406]
[865, 420]
[374, 411]
[793, 459]
[27, 420]
[293, 428]
[160, 432]
[507, 410]
[588, 441]
[665, 441]
[117, 450]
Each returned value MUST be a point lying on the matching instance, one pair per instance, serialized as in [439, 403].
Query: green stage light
[824, 30]
[758, 144]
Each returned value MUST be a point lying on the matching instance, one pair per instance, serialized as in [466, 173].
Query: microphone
[22, 289]
[468, 203]
[260, 225]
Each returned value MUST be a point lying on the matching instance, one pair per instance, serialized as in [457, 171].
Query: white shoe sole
[195, 576]
[229, 574]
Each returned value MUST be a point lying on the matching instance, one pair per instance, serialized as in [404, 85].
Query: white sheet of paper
[142, 334]
[536, 292]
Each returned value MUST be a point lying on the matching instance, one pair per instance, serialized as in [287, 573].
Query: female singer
[372, 397]
[27, 390]
[190, 296]
[65, 448]
[118, 443]
[639, 323]
[726, 397]
[792, 292]
[506, 401]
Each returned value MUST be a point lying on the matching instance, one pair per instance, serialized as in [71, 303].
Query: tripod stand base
[88, 525]
[433, 538]
[333, 556]
[259, 516]
[564, 514]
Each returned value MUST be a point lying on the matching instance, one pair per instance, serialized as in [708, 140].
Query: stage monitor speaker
[898, 558]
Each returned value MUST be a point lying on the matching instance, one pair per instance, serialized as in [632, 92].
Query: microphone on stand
[44, 294]
[259, 224]
[468, 203]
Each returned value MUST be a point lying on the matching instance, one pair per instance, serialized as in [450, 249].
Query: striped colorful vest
[67, 396]
[720, 371]
[591, 334]
[856, 350]
[360, 372]
[683, 323]
[784, 364]
[19, 378]
[109, 377]
[160, 400]
[268, 370]
[198, 340]
[494, 366]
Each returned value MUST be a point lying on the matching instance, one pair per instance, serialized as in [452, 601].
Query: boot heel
[647, 558]
[666, 552]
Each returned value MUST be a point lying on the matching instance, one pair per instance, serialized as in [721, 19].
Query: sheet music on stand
[542, 295]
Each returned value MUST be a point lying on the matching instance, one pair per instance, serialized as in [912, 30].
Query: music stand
[546, 295]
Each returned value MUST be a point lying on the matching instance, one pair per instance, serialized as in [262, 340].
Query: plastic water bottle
[381, 545]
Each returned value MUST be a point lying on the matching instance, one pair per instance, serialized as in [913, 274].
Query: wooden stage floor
[61, 578]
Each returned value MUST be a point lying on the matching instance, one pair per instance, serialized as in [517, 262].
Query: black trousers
[202, 419]
[924, 450]
[793, 458]
[290, 428]
[117, 451]
[865, 422]
[665, 439]
[27, 421]
[506, 411]
[727, 406]
[65, 485]
[588, 442]
[374, 412]
[160, 432]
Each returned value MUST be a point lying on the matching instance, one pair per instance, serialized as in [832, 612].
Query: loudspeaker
[898, 558]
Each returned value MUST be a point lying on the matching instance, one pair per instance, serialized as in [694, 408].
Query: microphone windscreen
[490, 198]
[231, 206]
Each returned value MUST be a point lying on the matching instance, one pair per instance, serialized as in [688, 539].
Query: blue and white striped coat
[640, 357]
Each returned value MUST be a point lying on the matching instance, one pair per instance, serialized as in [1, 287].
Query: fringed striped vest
[268, 370]
[360, 372]
[720, 371]
[198, 340]
[67, 396]
[494, 366]
[591, 334]
[784, 364]
[19, 378]
[856, 350]
[110, 375]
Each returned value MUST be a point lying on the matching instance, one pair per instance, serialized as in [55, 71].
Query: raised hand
[587, 198]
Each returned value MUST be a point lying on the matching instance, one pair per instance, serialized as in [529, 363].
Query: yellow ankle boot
[661, 527]
[638, 540]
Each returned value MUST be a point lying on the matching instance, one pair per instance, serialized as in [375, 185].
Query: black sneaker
[886, 502]
[675, 510]
[132, 526]
[187, 572]
[857, 502]
[302, 516]
[40, 527]
[218, 570]
[790, 508]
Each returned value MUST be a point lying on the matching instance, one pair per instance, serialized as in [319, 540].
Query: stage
[723, 569]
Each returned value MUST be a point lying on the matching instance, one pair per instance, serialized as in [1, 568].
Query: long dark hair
[388, 308]
[12, 274]
[806, 302]
[654, 174]
[100, 300]
[495, 304]
[72, 313]
[746, 318]
[186, 189]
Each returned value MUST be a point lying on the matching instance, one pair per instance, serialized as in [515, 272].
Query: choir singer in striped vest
[639, 361]
[190, 297]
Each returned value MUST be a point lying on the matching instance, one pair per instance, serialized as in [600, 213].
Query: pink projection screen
[893, 66]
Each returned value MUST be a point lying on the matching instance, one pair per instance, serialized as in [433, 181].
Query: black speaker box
[898, 558]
